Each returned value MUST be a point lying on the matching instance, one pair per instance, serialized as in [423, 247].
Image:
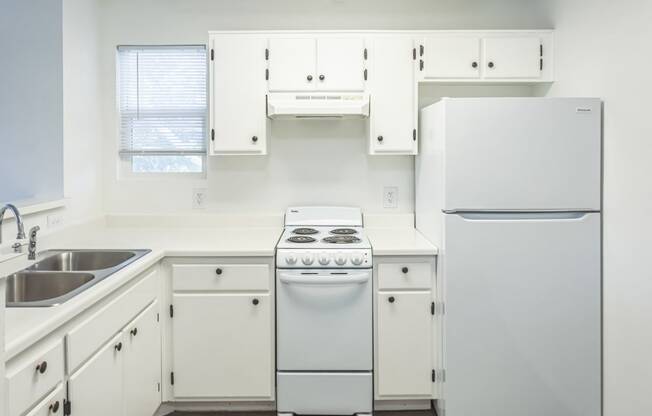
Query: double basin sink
[62, 274]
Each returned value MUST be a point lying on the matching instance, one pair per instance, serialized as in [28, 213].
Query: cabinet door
[292, 64]
[96, 388]
[340, 64]
[223, 346]
[52, 405]
[512, 57]
[393, 101]
[452, 56]
[404, 344]
[142, 364]
[238, 104]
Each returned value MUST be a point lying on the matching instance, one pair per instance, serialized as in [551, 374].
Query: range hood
[317, 105]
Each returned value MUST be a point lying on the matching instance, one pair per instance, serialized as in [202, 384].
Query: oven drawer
[220, 277]
[309, 393]
[404, 276]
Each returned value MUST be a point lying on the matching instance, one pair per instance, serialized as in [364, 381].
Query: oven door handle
[326, 280]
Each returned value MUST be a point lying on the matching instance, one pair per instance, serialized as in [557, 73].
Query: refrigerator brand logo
[582, 110]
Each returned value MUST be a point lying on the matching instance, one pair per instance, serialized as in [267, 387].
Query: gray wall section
[31, 100]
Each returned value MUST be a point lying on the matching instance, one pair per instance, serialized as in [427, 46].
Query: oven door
[324, 320]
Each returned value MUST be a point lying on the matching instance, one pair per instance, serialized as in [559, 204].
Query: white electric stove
[324, 313]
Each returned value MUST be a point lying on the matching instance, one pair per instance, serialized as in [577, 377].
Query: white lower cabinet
[96, 388]
[142, 364]
[52, 405]
[222, 345]
[407, 344]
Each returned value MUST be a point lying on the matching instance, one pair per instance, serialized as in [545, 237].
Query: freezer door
[522, 154]
[522, 315]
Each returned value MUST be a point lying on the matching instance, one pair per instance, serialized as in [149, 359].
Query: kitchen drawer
[34, 377]
[52, 405]
[404, 276]
[87, 337]
[220, 277]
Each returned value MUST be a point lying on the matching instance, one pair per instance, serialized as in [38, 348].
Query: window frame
[125, 163]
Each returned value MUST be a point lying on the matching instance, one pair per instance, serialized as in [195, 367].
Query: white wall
[603, 50]
[310, 162]
[81, 120]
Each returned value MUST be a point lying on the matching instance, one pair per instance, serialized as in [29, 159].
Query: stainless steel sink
[82, 260]
[62, 274]
[30, 287]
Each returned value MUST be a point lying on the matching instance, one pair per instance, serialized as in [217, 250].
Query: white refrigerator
[509, 189]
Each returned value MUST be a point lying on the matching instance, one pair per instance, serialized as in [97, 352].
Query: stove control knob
[356, 259]
[290, 259]
[324, 259]
[340, 259]
[308, 259]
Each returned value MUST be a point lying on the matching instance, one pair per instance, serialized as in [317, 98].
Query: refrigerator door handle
[521, 215]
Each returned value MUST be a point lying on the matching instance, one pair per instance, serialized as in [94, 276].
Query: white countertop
[25, 326]
[399, 241]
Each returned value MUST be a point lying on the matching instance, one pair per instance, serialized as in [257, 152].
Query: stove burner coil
[343, 231]
[341, 239]
[301, 239]
[304, 231]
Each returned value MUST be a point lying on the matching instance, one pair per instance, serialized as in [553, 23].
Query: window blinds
[162, 100]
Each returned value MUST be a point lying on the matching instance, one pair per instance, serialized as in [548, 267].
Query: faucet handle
[33, 231]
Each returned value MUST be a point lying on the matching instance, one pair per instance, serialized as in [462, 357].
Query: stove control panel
[323, 259]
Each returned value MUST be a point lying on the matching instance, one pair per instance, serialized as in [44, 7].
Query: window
[163, 111]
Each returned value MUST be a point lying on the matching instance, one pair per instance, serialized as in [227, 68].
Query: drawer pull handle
[255, 301]
[42, 367]
[391, 299]
[54, 408]
[118, 346]
[380, 138]
[218, 271]
[491, 65]
[405, 270]
[134, 332]
[474, 64]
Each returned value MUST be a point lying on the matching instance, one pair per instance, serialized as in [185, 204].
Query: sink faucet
[19, 221]
[31, 250]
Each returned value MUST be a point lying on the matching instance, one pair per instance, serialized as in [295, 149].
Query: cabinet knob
[134, 332]
[405, 270]
[118, 346]
[218, 271]
[322, 77]
[255, 301]
[309, 78]
[54, 407]
[391, 299]
[490, 64]
[254, 139]
[474, 64]
[380, 138]
[42, 367]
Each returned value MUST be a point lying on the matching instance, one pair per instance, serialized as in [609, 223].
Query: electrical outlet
[390, 197]
[54, 220]
[198, 198]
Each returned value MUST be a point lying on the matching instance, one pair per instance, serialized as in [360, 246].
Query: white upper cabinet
[393, 96]
[238, 95]
[451, 56]
[512, 57]
[470, 56]
[292, 64]
[316, 64]
[340, 64]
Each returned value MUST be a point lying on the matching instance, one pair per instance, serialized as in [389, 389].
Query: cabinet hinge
[414, 134]
[365, 74]
[66, 407]
[171, 311]
[266, 74]
[541, 49]
[212, 135]
[364, 54]
[421, 50]
[414, 54]
[433, 376]
[420, 64]
[267, 54]
[540, 64]
[158, 386]
[432, 308]
[172, 378]
[158, 317]
[212, 54]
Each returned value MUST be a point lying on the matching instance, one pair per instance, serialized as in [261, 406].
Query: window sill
[33, 207]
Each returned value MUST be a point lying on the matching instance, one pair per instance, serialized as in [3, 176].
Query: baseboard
[170, 407]
[388, 405]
